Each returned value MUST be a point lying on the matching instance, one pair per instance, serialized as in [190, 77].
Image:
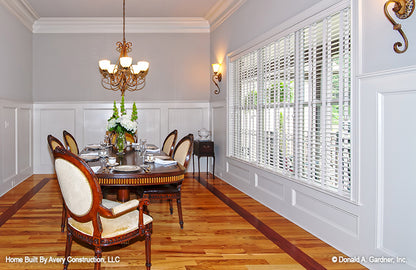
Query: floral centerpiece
[121, 124]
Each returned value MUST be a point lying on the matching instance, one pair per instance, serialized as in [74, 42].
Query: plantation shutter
[323, 124]
[277, 105]
[243, 109]
[289, 104]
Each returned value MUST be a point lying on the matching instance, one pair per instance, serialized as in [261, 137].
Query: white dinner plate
[89, 157]
[127, 168]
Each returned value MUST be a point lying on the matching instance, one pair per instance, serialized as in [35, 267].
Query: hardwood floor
[223, 229]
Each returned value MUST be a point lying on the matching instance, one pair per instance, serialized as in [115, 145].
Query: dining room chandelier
[123, 75]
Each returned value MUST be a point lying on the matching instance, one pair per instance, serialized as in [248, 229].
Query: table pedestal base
[123, 194]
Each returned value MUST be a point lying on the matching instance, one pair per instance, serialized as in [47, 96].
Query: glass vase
[120, 143]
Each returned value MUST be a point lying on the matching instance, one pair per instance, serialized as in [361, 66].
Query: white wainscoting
[87, 122]
[15, 143]
[332, 219]
[219, 134]
[387, 175]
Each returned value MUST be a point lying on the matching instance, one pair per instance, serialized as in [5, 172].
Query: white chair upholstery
[75, 188]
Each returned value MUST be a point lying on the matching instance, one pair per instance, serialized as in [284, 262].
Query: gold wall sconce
[217, 76]
[403, 9]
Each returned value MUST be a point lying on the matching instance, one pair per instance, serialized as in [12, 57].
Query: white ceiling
[113, 8]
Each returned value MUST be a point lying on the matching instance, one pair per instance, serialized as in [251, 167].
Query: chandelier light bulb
[126, 61]
[112, 68]
[136, 69]
[104, 64]
[143, 65]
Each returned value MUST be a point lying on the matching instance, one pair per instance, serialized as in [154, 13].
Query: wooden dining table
[150, 173]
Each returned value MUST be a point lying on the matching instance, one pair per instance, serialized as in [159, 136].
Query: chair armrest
[119, 209]
[125, 207]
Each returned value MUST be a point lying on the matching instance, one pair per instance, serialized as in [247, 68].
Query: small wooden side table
[203, 149]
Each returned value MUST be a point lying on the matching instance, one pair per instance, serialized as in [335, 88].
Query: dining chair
[53, 143]
[90, 218]
[169, 143]
[182, 154]
[70, 142]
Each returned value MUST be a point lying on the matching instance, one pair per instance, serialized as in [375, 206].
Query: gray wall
[16, 58]
[66, 66]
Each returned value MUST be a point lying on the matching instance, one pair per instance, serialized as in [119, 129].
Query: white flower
[126, 123]
[111, 123]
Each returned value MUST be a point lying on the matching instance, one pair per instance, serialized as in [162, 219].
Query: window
[289, 104]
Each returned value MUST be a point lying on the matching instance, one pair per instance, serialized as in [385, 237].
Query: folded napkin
[152, 150]
[165, 162]
[89, 154]
[96, 168]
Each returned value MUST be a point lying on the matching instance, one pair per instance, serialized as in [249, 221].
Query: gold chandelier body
[123, 75]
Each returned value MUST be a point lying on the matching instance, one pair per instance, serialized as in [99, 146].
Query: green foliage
[115, 111]
[134, 112]
[122, 108]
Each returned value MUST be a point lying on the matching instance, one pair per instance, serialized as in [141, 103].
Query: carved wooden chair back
[183, 150]
[169, 143]
[53, 142]
[70, 142]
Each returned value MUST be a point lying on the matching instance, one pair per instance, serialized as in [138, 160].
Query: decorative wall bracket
[403, 9]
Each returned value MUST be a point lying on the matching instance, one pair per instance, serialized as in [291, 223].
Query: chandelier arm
[140, 87]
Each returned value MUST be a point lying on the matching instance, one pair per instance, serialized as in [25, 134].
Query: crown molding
[22, 10]
[221, 11]
[114, 25]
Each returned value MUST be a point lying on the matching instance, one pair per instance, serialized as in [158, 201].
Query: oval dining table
[155, 174]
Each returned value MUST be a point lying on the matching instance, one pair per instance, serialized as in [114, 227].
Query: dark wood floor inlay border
[293, 251]
[19, 204]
